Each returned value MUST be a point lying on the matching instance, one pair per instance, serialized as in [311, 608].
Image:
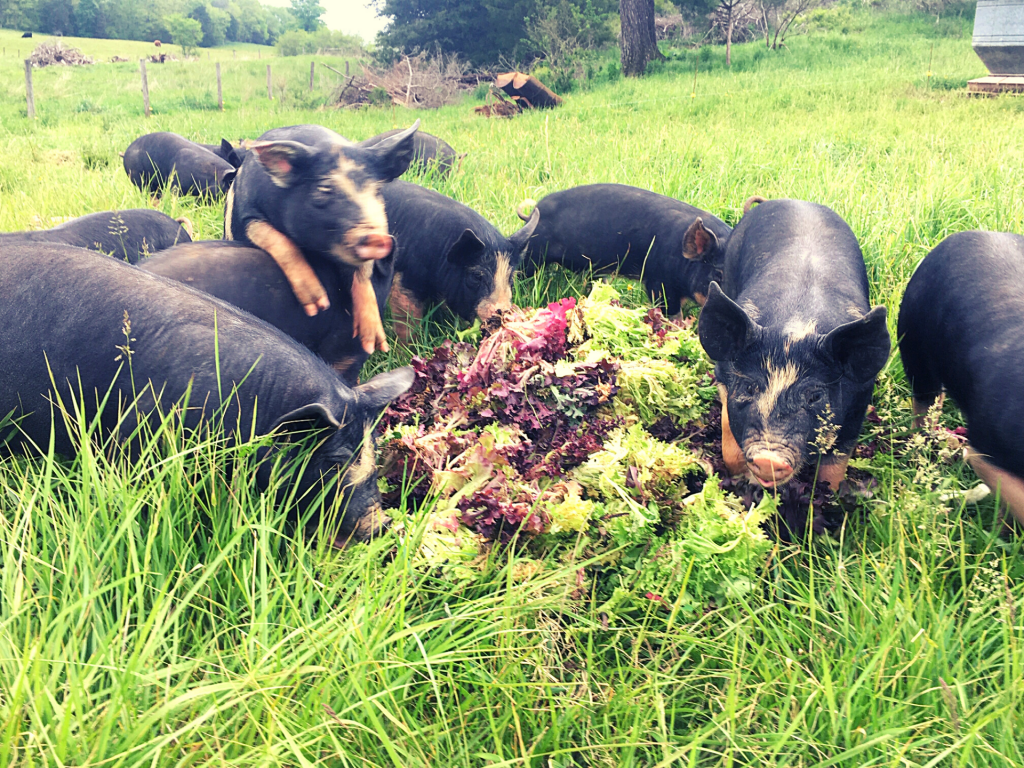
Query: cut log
[528, 87]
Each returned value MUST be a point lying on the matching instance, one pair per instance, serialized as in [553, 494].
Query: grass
[167, 615]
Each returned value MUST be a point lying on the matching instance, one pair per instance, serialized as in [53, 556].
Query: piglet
[797, 346]
[961, 328]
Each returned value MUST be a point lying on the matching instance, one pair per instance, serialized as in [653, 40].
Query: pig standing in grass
[675, 248]
[76, 326]
[797, 344]
[305, 189]
[961, 328]
[447, 252]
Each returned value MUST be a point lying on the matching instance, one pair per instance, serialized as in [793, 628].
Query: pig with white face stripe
[305, 190]
[447, 252]
[797, 344]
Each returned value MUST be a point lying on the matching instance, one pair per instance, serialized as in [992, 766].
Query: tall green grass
[167, 614]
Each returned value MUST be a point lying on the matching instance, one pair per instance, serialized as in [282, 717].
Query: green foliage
[297, 42]
[186, 32]
[307, 13]
[214, 21]
[717, 551]
[837, 18]
[221, 20]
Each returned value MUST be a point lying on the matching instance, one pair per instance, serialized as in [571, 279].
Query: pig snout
[770, 469]
[370, 524]
[371, 247]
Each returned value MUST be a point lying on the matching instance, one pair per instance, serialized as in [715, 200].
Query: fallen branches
[55, 52]
[418, 82]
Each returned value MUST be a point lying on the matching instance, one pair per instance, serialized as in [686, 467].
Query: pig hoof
[311, 309]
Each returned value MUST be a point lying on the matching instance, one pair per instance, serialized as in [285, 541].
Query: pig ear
[860, 348]
[229, 154]
[391, 157]
[227, 179]
[283, 160]
[700, 243]
[312, 416]
[724, 328]
[375, 394]
[466, 250]
[522, 237]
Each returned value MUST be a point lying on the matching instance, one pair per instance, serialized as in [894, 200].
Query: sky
[353, 17]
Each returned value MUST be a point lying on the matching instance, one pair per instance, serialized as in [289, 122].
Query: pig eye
[324, 189]
[751, 388]
[814, 396]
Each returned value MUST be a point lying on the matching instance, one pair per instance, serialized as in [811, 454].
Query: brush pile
[574, 431]
[419, 82]
[55, 52]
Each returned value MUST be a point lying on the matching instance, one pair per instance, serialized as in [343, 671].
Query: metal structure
[999, 36]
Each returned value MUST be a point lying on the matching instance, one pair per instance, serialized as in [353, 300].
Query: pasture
[161, 613]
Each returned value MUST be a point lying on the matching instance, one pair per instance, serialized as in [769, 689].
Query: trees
[486, 31]
[639, 41]
[308, 13]
[184, 31]
[86, 14]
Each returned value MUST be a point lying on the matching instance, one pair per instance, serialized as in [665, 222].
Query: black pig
[127, 235]
[156, 158]
[71, 321]
[429, 152]
[675, 248]
[447, 252]
[961, 328]
[249, 279]
[306, 190]
[795, 340]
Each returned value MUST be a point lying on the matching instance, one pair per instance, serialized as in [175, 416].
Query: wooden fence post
[28, 90]
[270, 91]
[312, 66]
[220, 91]
[346, 69]
[145, 86]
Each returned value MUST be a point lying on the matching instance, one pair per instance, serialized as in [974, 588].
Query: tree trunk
[638, 40]
[728, 38]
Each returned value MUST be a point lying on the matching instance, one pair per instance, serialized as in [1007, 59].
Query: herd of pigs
[123, 315]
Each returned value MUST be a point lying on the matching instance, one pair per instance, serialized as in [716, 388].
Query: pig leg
[405, 309]
[833, 470]
[366, 322]
[305, 284]
[732, 454]
[1009, 487]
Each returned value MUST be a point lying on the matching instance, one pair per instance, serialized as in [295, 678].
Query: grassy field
[158, 615]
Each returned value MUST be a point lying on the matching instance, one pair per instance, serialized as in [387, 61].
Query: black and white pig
[449, 253]
[429, 152]
[675, 248]
[306, 190]
[797, 344]
[153, 160]
[961, 329]
[67, 315]
[126, 235]
[249, 279]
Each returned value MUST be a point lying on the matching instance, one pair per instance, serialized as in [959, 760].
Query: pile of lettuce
[540, 438]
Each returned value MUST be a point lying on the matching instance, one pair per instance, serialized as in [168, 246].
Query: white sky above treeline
[353, 17]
